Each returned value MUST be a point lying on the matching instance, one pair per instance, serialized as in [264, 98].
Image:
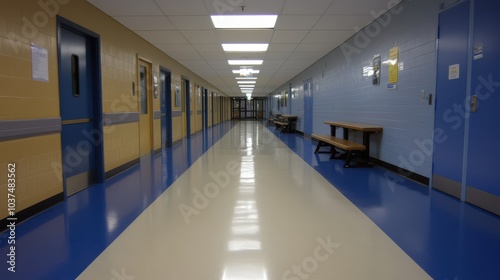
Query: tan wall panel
[38, 170]
[176, 129]
[121, 144]
[157, 134]
[23, 98]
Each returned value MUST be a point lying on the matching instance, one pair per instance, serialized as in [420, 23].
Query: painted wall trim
[121, 168]
[156, 115]
[482, 199]
[120, 118]
[34, 209]
[16, 129]
[447, 185]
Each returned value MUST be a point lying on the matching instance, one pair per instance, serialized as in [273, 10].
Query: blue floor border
[60, 242]
[448, 238]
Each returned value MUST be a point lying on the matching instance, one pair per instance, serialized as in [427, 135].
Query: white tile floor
[252, 209]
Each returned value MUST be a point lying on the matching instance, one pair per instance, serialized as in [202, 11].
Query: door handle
[473, 104]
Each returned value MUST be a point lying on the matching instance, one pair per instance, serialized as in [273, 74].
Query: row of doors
[81, 106]
[467, 100]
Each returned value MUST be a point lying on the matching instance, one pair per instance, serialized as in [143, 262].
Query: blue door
[483, 178]
[79, 96]
[451, 94]
[166, 107]
[308, 107]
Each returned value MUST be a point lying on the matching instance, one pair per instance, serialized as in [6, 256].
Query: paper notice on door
[39, 63]
[454, 72]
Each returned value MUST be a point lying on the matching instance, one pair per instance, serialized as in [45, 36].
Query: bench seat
[280, 123]
[339, 142]
[349, 146]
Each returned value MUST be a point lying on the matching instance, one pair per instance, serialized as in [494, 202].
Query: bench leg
[361, 163]
[348, 160]
[323, 144]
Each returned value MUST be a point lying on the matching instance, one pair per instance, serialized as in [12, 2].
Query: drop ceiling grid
[305, 32]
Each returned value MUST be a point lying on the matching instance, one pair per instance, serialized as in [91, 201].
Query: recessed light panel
[252, 71]
[245, 62]
[244, 21]
[245, 47]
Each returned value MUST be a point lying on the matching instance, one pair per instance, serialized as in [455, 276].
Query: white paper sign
[454, 72]
[39, 63]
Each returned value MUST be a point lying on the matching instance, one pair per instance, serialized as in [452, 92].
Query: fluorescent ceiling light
[245, 62]
[246, 82]
[246, 78]
[239, 71]
[244, 21]
[247, 86]
[245, 47]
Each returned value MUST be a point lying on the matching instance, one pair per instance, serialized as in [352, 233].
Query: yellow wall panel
[23, 98]
[36, 175]
[157, 134]
[121, 144]
[176, 129]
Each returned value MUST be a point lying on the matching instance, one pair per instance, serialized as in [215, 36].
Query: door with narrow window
[145, 107]
[79, 89]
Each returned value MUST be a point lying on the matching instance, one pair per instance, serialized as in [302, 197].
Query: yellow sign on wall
[393, 67]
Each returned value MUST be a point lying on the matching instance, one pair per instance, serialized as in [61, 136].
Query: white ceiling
[306, 30]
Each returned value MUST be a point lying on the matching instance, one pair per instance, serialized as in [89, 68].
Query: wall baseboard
[121, 168]
[33, 210]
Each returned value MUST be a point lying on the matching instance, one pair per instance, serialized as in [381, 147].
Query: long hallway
[252, 209]
[245, 202]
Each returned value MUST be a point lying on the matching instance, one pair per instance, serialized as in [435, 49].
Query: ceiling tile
[311, 56]
[288, 36]
[163, 37]
[346, 22]
[181, 8]
[192, 22]
[185, 56]
[353, 7]
[207, 48]
[305, 47]
[146, 22]
[201, 36]
[127, 7]
[328, 36]
[293, 22]
[302, 7]
[282, 47]
[167, 48]
[233, 7]
[247, 36]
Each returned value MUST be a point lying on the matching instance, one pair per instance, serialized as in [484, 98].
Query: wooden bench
[285, 123]
[331, 141]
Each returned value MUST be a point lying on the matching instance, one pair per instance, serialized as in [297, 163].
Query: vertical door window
[75, 75]
[144, 90]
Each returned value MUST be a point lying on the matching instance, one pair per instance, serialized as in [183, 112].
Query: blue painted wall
[341, 92]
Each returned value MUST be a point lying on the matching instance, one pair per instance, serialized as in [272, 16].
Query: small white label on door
[454, 72]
